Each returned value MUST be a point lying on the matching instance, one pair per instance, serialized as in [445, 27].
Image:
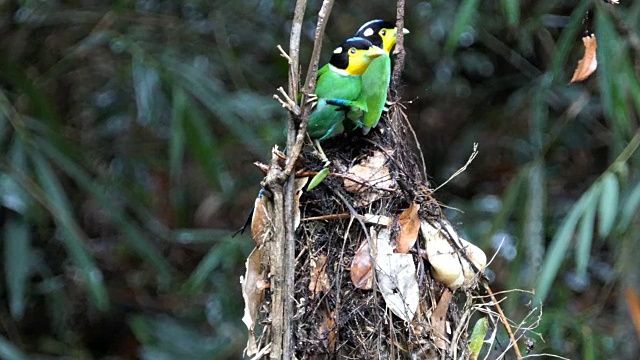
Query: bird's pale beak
[405, 31]
[375, 51]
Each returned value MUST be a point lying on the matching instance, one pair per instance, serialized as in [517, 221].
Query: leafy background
[128, 129]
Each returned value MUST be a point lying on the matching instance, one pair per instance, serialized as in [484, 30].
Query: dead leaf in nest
[261, 229]
[589, 61]
[253, 285]
[299, 184]
[439, 319]
[396, 274]
[371, 175]
[361, 274]
[409, 223]
[319, 281]
[327, 330]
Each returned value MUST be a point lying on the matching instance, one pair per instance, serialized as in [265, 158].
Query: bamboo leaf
[608, 206]
[585, 231]
[146, 84]
[72, 236]
[317, 180]
[557, 250]
[511, 9]
[132, 232]
[8, 351]
[177, 139]
[17, 251]
[463, 19]
[630, 208]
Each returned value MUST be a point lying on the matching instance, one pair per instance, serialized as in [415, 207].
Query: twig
[504, 321]
[462, 169]
[294, 146]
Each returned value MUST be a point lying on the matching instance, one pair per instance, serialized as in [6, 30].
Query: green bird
[375, 80]
[339, 86]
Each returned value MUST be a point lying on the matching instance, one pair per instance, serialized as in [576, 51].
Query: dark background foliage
[128, 129]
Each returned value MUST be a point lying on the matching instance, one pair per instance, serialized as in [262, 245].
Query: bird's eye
[383, 32]
[352, 51]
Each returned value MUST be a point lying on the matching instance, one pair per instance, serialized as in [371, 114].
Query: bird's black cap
[340, 57]
[371, 30]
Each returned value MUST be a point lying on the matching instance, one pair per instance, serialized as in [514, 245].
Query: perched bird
[339, 85]
[375, 80]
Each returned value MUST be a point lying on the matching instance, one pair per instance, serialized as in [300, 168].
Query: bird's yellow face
[389, 37]
[360, 59]
[354, 56]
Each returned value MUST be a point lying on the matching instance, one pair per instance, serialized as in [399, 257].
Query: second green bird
[340, 82]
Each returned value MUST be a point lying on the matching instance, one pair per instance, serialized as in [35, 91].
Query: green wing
[326, 119]
[375, 84]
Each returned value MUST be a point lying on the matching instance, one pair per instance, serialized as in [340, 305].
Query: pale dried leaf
[373, 172]
[252, 291]
[361, 274]
[299, 185]
[261, 223]
[589, 61]
[319, 281]
[409, 224]
[439, 319]
[396, 275]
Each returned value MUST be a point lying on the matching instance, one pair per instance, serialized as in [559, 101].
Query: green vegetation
[128, 132]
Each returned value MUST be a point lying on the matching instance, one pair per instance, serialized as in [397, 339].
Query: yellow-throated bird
[339, 86]
[375, 80]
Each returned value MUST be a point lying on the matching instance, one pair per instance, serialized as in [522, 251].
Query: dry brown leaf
[252, 291]
[396, 275]
[634, 308]
[261, 229]
[409, 224]
[439, 319]
[374, 173]
[327, 330]
[589, 61]
[361, 274]
[319, 281]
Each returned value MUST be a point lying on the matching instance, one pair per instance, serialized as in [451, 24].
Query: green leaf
[477, 336]
[511, 8]
[585, 231]
[71, 234]
[131, 231]
[465, 14]
[177, 139]
[557, 250]
[630, 208]
[17, 251]
[608, 204]
[146, 83]
[567, 40]
[320, 176]
[8, 351]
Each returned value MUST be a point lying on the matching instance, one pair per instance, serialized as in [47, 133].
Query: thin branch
[399, 51]
[504, 321]
[294, 146]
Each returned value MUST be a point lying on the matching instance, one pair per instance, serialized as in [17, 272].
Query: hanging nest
[376, 263]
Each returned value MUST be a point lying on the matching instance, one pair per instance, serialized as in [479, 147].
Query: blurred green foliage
[128, 129]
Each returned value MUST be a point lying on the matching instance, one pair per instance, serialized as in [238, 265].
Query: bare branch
[310, 85]
[399, 51]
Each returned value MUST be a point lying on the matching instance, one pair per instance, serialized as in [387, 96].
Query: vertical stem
[310, 85]
[399, 51]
